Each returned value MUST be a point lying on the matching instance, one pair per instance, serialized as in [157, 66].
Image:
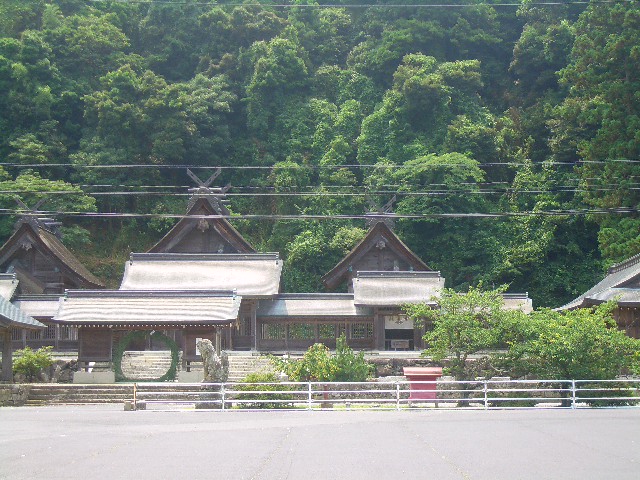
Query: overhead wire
[309, 167]
[423, 216]
[451, 191]
[356, 5]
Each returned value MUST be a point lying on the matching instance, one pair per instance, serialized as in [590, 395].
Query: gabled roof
[33, 234]
[12, 317]
[200, 206]
[378, 232]
[148, 308]
[396, 288]
[250, 274]
[622, 280]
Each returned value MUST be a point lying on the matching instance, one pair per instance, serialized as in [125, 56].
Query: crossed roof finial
[215, 195]
[31, 215]
[383, 214]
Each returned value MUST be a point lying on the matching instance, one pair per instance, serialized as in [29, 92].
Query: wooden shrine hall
[204, 280]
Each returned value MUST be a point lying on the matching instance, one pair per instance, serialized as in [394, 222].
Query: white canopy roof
[252, 274]
[148, 308]
[396, 288]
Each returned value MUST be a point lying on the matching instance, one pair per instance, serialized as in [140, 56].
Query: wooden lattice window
[301, 331]
[362, 330]
[273, 331]
[327, 330]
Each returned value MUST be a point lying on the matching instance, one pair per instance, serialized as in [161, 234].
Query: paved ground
[105, 442]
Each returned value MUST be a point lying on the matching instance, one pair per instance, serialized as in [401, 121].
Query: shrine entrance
[399, 332]
[145, 355]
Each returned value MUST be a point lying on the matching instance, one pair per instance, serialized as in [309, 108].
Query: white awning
[148, 308]
[254, 275]
[396, 288]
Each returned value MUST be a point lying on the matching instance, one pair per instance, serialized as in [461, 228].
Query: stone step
[145, 365]
[241, 366]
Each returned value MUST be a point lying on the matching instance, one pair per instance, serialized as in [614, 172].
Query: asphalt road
[105, 442]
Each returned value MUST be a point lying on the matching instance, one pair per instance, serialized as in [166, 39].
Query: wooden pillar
[254, 325]
[378, 330]
[7, 356]
[218, 344]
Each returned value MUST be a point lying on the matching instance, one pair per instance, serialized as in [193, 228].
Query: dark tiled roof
[335, 276]
[12, 316]
[202, 205]
[609, 287]
[68, 258]
[49, 245]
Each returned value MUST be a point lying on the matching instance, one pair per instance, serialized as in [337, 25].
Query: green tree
[30, 187]
[465, 326]
[580, 344]
[599, 120]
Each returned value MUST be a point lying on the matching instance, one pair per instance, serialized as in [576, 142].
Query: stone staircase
[140, 366]
[146, 365]
[242, 365]
[65, 394]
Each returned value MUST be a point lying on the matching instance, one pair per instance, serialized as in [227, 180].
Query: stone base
[191, 377]
[94, 377]
[13, 395]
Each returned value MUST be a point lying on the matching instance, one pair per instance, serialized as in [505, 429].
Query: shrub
[319, 365]
[263, 382]
[30, 363]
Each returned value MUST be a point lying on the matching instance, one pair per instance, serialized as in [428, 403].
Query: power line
[422, 216]
[309, 167]
[357, 6]
[452, 191]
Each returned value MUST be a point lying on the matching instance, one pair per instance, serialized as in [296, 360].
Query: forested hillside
[511, 135]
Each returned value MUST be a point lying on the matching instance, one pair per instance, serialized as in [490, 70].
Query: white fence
[480, 394]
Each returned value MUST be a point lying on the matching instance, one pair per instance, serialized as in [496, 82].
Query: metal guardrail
[478, 394]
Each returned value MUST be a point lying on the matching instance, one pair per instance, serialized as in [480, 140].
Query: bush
[270, 383]
[319, 365]
[350, 366]
[30, 363]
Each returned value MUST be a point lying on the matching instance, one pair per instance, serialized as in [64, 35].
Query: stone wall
[13, 395]
[386, 366]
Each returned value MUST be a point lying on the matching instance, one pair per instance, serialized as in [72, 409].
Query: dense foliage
[465, 329]
[475, 337]
[577, 344]
[472, 110]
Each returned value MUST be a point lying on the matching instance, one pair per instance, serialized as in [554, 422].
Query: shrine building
[204, 280]
[622, 285]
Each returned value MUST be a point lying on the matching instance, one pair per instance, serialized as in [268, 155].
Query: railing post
[222, 394]
[484, 389]
[309, 399]
[397, 396]
[135, 396]
[573, 394]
